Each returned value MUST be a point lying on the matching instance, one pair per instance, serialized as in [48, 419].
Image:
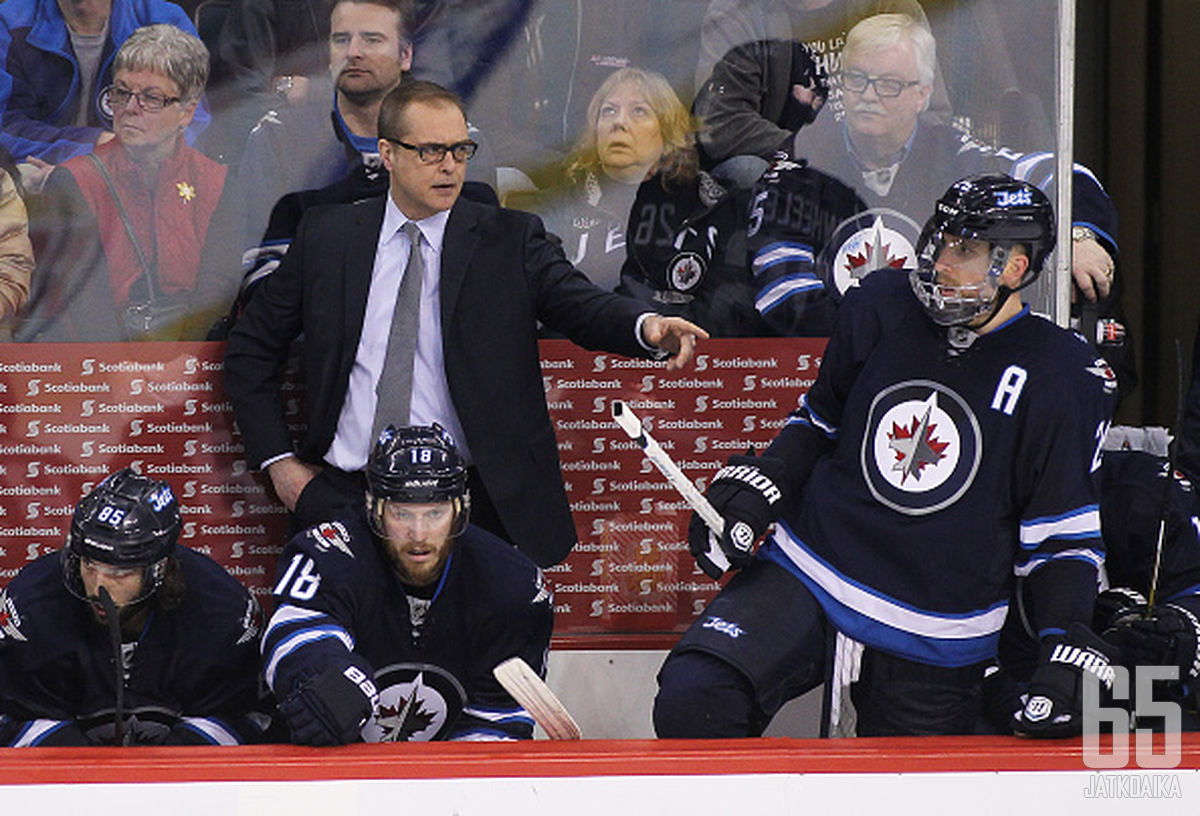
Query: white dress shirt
[431, 393]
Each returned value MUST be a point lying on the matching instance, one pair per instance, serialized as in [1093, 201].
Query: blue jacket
[40, 82]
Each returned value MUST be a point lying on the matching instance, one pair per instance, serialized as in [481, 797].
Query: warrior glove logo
[922, 447]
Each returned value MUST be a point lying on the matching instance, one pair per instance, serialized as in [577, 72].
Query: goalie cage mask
[416, 465]
[127, 521]
[994, 208]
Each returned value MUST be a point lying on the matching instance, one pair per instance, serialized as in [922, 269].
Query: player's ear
[1014, 270]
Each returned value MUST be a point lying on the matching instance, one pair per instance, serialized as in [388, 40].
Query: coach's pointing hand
[675, 335]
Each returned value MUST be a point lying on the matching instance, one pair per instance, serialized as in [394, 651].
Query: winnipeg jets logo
[332, 534]
[417, 702]
[1100, 368]
[10, 619]
[916, 446]
[922, 447]
[686, 271]
[875, 239]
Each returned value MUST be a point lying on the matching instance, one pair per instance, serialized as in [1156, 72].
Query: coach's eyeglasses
[435, 153]
[857, 82]
[114, 97]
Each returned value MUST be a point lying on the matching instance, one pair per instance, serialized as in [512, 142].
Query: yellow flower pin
[186, 191]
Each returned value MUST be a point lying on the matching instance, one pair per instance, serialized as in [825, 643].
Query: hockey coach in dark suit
[487, 274]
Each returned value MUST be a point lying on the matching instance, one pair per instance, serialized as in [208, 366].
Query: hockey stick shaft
[114, 631]
[632, 426]
[1165, 501]
[532, 693]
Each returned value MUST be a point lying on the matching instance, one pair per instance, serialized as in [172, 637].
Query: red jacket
[170, 216]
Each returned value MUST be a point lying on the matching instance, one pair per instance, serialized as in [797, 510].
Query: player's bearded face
[123, 584]
[418, 539]
[962, 268]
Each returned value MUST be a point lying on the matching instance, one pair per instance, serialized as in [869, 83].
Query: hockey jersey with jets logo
[340, 604]
[947, 474]
[191, 677]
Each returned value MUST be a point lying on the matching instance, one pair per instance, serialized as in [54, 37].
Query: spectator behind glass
[55, 58]
[636, 128]
[122, 232]
[747, 73]
[309, 146]
[16, 252]
[896, 157]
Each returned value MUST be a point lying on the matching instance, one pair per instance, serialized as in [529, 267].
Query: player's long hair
[170, 593]
[679, 162]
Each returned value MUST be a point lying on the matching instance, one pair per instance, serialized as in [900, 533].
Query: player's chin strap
[114, 631]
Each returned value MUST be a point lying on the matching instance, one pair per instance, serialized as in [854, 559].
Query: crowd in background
[639, 138]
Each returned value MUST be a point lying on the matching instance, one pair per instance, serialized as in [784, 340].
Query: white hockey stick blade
[531, 691]
[631, 425]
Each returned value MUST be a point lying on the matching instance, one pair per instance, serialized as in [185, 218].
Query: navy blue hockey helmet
[416, 465]
[991, 207]
[128, 520]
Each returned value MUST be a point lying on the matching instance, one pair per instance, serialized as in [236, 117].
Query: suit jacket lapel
[358, 262]
[458, 246]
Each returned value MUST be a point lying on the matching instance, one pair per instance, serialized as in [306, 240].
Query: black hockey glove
[1115, 603]
[1054, 707]
[1169, 637]
[1003, 698]
[330, 708]
[746, 493]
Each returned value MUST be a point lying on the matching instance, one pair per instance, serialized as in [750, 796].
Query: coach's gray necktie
[394, 390]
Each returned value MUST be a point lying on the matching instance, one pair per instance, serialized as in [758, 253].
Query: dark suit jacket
[500, 275]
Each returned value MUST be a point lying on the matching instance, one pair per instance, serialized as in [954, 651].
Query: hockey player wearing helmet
[947, 450]
[390, 619]
[188, 633]
[987, 238]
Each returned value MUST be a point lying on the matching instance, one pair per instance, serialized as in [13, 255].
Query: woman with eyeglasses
[121, 239]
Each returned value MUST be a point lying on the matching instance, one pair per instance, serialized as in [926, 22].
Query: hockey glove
[330, 708]
[1003, 698]
[746, 493]
[1169, 637]
[1114, 603]
[1054, 707]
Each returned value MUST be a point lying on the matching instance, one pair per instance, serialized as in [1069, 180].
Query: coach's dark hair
[406, 8]
[391, 112]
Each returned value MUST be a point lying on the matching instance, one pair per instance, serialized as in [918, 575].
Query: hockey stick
[714, 563]
[1165, 501]
[536, 697]
[114, 631]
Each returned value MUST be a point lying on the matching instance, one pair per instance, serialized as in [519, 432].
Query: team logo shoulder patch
[418, 702]
[10, 619]
[331, 535]
[1100, 368]
[922, 447]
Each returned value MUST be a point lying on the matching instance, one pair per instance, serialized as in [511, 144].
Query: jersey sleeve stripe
[783, 288]
[212, 730]
[781, 252]
[805, 415]
[293, 642]
[1077, 524]
[287, 613]
[1089, 555]
[37, 730]
[498, 715]
[1083, 522]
